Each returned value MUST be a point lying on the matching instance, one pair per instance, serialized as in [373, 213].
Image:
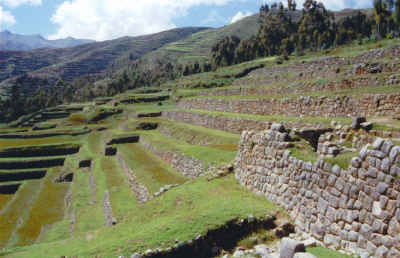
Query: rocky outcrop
[355, 209]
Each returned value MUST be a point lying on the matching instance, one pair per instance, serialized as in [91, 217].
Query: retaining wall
[188, 167]
[20, 176]
[342, 106]
[225, 123]
[40, 151]
[9, 189]
[32, 164]
[356, 209]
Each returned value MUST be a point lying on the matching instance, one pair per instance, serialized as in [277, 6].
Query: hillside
[15, 42]
[198, 45]
[94, 58]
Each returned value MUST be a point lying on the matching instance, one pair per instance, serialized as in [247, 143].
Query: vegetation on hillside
[317, 29]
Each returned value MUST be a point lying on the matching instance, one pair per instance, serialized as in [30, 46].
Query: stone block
[394, 227]
[393, 253]
[381, 252]
[372, 172]
[385, 166]
[332, 241]
[377, 144]
[289, 247]
[387, 147]
[394, 153]
[366, 231]
[353, 236]
[336, 170]
[382, 188]
[377, 154]
[357, 121]
[371, 248]
[356, 162]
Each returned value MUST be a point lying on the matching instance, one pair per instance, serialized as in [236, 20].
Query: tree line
[282, 34]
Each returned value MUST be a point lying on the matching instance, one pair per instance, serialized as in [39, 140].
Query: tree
[317, 28]
[382, 16]
[223, 53]
[277, 25]
[291, 5]
[397, 15]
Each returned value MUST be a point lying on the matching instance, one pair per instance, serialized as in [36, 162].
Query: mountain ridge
[18, 42]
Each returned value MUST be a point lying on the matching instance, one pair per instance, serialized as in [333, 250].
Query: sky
[108, 19]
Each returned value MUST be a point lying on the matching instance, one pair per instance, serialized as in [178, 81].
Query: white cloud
[240, 16]
[108, 19]
[6, 18]
[213, 18]
[16, 3]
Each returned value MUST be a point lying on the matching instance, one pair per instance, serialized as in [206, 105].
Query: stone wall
[355, 209]
[362, 105]
[187, 166]
[32, 164]
[225, 123]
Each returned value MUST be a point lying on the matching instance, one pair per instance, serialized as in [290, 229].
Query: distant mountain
[88, 59]
[16, 42]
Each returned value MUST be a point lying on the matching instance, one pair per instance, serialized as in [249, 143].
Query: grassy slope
[181, 214]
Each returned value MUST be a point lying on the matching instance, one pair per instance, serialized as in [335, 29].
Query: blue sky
[108, 19]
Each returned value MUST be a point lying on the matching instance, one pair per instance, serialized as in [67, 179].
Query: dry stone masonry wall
[225, 123]
[364, 105]
[355, 209]
[188, 167]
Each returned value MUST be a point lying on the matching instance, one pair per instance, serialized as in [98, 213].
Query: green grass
[273, 118]
[343, 160]
[206, 154]
[355, 93]
[322, 252]
[181, 213]
[303, 151]
[47, 209]
[12, 214]
[197, 134]
[150, 170]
